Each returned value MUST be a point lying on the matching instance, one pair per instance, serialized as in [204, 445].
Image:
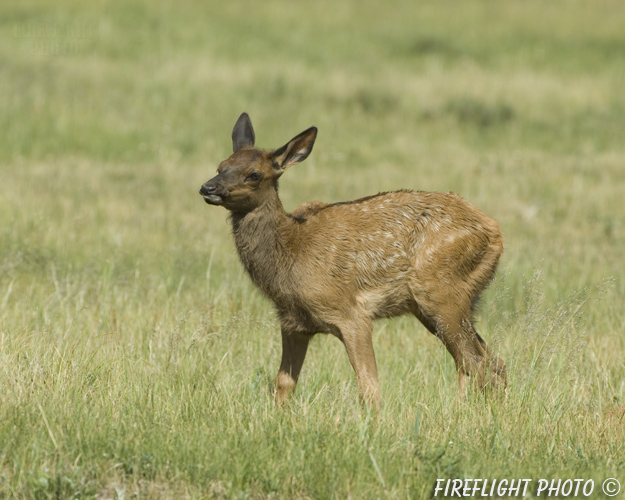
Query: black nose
[206, 190]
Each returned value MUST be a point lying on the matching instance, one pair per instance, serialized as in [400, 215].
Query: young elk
[334, 268]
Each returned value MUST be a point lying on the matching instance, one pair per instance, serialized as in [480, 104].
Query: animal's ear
[243, 133]
[296, 150]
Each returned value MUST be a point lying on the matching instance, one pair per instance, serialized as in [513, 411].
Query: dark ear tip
[243, 133]
[244, 118]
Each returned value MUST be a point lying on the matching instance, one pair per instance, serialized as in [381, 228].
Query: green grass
[136, 359]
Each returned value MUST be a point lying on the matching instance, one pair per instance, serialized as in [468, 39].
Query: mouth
[213, 199]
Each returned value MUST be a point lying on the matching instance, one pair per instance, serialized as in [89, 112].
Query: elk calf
[336, 267]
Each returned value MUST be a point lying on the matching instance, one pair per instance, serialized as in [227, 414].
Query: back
[397, 222]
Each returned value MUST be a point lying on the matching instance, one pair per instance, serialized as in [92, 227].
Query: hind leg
[454, 326]
[456, 332]
[495, 369]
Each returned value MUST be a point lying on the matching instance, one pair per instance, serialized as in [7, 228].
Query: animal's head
[248, 178]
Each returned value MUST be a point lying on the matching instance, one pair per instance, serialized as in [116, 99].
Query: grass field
[136, 358]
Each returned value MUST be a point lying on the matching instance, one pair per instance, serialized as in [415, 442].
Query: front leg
[356, 335]
[294, 347]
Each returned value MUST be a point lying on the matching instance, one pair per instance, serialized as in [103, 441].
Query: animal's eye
[254, 176]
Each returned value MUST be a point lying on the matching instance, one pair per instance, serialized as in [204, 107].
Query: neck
[257, 237]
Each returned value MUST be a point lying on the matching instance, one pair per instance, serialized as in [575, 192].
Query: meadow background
[136, 359]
